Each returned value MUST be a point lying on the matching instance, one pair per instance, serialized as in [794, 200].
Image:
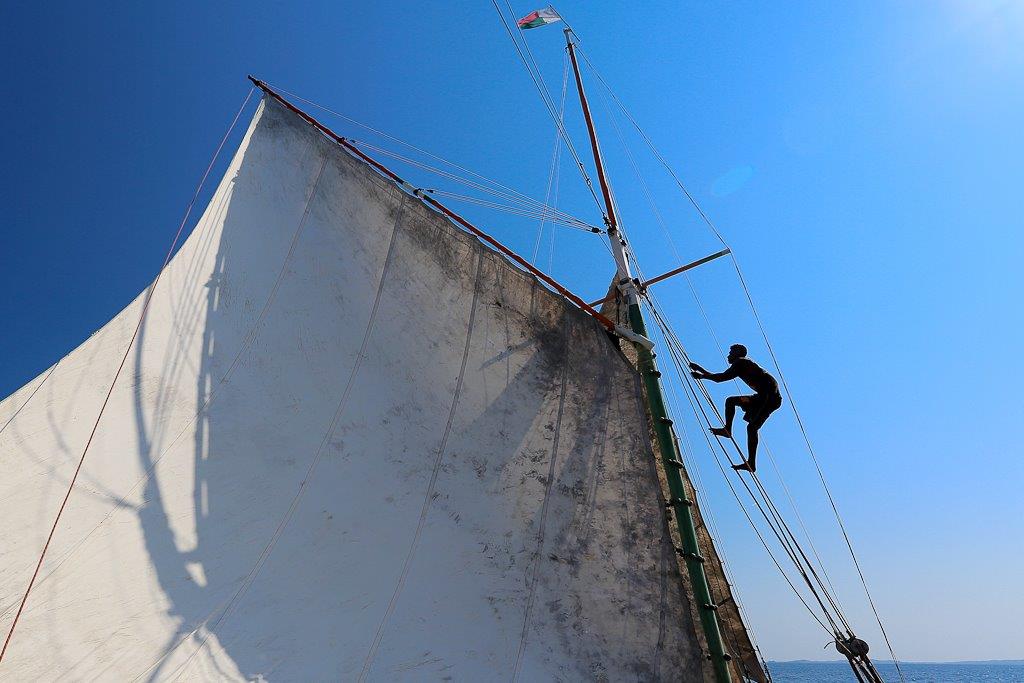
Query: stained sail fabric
[350, 443]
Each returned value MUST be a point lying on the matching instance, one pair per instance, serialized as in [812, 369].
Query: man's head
[737, 351]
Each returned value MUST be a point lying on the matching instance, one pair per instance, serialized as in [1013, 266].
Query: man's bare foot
[743, 467]
[721, 431]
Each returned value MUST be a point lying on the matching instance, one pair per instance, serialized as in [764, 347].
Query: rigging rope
[679, 352]
[524, 201]
[420, 150]
[846, 645]
[788, 538]
[536, 215]
[654, 150]
[545, 97]
[680, 359]
[817, 464]
[710, 224]
[554, 171]
[772, 516]
[693, 291]
[539, 214]
[131, 342]
[691, 397]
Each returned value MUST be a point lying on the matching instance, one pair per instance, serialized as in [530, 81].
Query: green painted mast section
[679, 501]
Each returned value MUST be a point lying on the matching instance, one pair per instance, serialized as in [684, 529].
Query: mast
[678, 500]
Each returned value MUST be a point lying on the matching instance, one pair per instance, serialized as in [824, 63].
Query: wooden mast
[679, 501]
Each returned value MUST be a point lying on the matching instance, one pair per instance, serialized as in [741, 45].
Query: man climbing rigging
[756, 407]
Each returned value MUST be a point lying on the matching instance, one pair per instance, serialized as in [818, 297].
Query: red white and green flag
[541, 17]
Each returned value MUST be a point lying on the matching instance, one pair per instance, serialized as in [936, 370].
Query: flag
[541, 17]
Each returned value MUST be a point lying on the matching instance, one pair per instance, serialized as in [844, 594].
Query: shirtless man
[756, 407]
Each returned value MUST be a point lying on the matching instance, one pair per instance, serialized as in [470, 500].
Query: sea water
[957, 672]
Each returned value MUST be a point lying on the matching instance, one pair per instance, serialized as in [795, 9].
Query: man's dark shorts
[757, 408]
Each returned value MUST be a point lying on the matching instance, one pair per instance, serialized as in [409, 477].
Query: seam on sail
[544, 508]
[442, 447]
[627, 475]
[27, 400]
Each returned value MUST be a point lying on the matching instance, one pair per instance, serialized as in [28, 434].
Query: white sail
[350, 442]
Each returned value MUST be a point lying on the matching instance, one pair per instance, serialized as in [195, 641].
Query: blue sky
[863, 160]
